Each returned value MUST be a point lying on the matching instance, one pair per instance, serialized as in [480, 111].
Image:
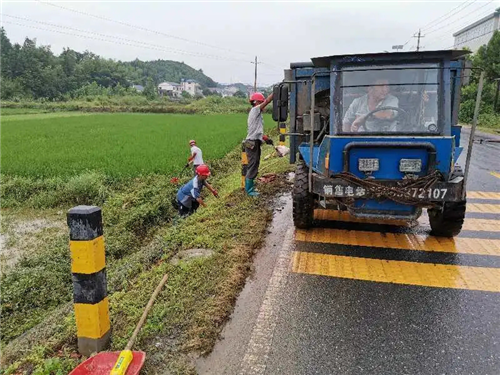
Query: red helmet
[192, 142]
[257, 96]
[203, 170]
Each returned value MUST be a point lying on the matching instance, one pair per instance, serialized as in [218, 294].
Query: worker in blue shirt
[189, 195]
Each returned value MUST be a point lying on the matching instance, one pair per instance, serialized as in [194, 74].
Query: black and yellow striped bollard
[282, 133]
[88, 267]
[244, 164]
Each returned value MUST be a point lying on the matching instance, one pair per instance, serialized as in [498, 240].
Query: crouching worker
[254, 139]
[189, 196]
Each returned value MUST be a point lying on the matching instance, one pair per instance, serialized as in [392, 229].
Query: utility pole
[418, 36]
[255, 81]
[496, 109]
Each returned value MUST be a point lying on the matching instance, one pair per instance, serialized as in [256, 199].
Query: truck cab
[376, 135]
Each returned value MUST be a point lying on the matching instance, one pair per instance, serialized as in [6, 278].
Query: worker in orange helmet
[254, 139]
[189, 195]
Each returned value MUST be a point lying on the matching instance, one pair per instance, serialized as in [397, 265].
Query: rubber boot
[250, 188]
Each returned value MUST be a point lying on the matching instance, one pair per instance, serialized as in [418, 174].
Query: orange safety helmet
[257, 96]
[203, 170]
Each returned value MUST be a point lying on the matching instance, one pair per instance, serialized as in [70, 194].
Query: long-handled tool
[126, 362]
[175, 180]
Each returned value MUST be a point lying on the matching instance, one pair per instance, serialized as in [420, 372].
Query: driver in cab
[356, 119]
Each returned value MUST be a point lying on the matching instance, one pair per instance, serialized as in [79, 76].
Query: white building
[479, 33]
[191, 86]
[171, 89]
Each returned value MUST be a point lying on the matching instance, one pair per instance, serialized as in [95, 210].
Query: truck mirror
[280, 103]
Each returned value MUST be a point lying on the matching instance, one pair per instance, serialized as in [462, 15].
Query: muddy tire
[303, 200]
[448, 221]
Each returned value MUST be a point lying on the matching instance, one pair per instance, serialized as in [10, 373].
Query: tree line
[487, 58]
[29, 71]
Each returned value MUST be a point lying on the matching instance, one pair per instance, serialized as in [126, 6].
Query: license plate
[347, 191]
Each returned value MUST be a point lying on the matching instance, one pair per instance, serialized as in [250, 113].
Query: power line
[459, 19]
[461, 26]
[429, 25]
[142, 28]
[141, 45]
[156, 46]
[441, 19]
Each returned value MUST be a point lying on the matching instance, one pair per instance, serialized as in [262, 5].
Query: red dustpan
[102, 364]
[126, 362]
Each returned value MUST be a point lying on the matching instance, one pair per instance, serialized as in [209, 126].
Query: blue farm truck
[376, 135]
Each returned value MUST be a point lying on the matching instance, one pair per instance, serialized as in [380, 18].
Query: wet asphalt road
[343, 298]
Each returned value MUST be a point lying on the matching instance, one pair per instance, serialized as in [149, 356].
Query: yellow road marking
[483, 195]
[483, 208]
[496, 174]
[408, 241]
[482, 225]
[398, 272]
[469, 224]
[333, 215]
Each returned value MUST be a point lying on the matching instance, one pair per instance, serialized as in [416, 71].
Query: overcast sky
[222, 38]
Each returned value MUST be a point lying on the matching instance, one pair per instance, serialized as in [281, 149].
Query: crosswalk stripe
[397, 272]
[343, 216]
[407, 241]
[483, 195]
[481, 225]
[483, 208]
[334, 215]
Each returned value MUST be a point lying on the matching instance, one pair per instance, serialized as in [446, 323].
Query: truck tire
[303, 200]
[448, 221]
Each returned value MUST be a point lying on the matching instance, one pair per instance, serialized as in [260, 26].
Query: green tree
[5, 53]
[240, 94]
[186, 95]
[150, 90]
[487, 58]
[32, 71]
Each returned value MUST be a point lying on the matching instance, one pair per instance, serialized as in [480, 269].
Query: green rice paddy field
[119, 145]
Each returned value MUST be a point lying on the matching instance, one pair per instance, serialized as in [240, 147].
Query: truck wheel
[303, 200]
[448, 221]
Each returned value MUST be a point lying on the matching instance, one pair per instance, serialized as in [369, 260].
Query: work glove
[187, 165]
[268, 140]
[215, 193]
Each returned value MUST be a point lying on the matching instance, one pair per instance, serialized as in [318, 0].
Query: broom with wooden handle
[126, 355]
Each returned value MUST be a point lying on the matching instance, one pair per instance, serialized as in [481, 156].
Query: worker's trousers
[186, 211]
[253, 156]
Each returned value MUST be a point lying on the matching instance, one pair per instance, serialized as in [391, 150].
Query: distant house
[139, 88]
[171, 89]
[190, 86]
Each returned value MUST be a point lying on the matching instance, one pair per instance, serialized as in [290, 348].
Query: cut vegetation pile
[125, 171]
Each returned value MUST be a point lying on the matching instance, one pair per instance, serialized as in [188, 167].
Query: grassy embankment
[128, 177]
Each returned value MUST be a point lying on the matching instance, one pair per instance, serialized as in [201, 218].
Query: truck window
[390, 99]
